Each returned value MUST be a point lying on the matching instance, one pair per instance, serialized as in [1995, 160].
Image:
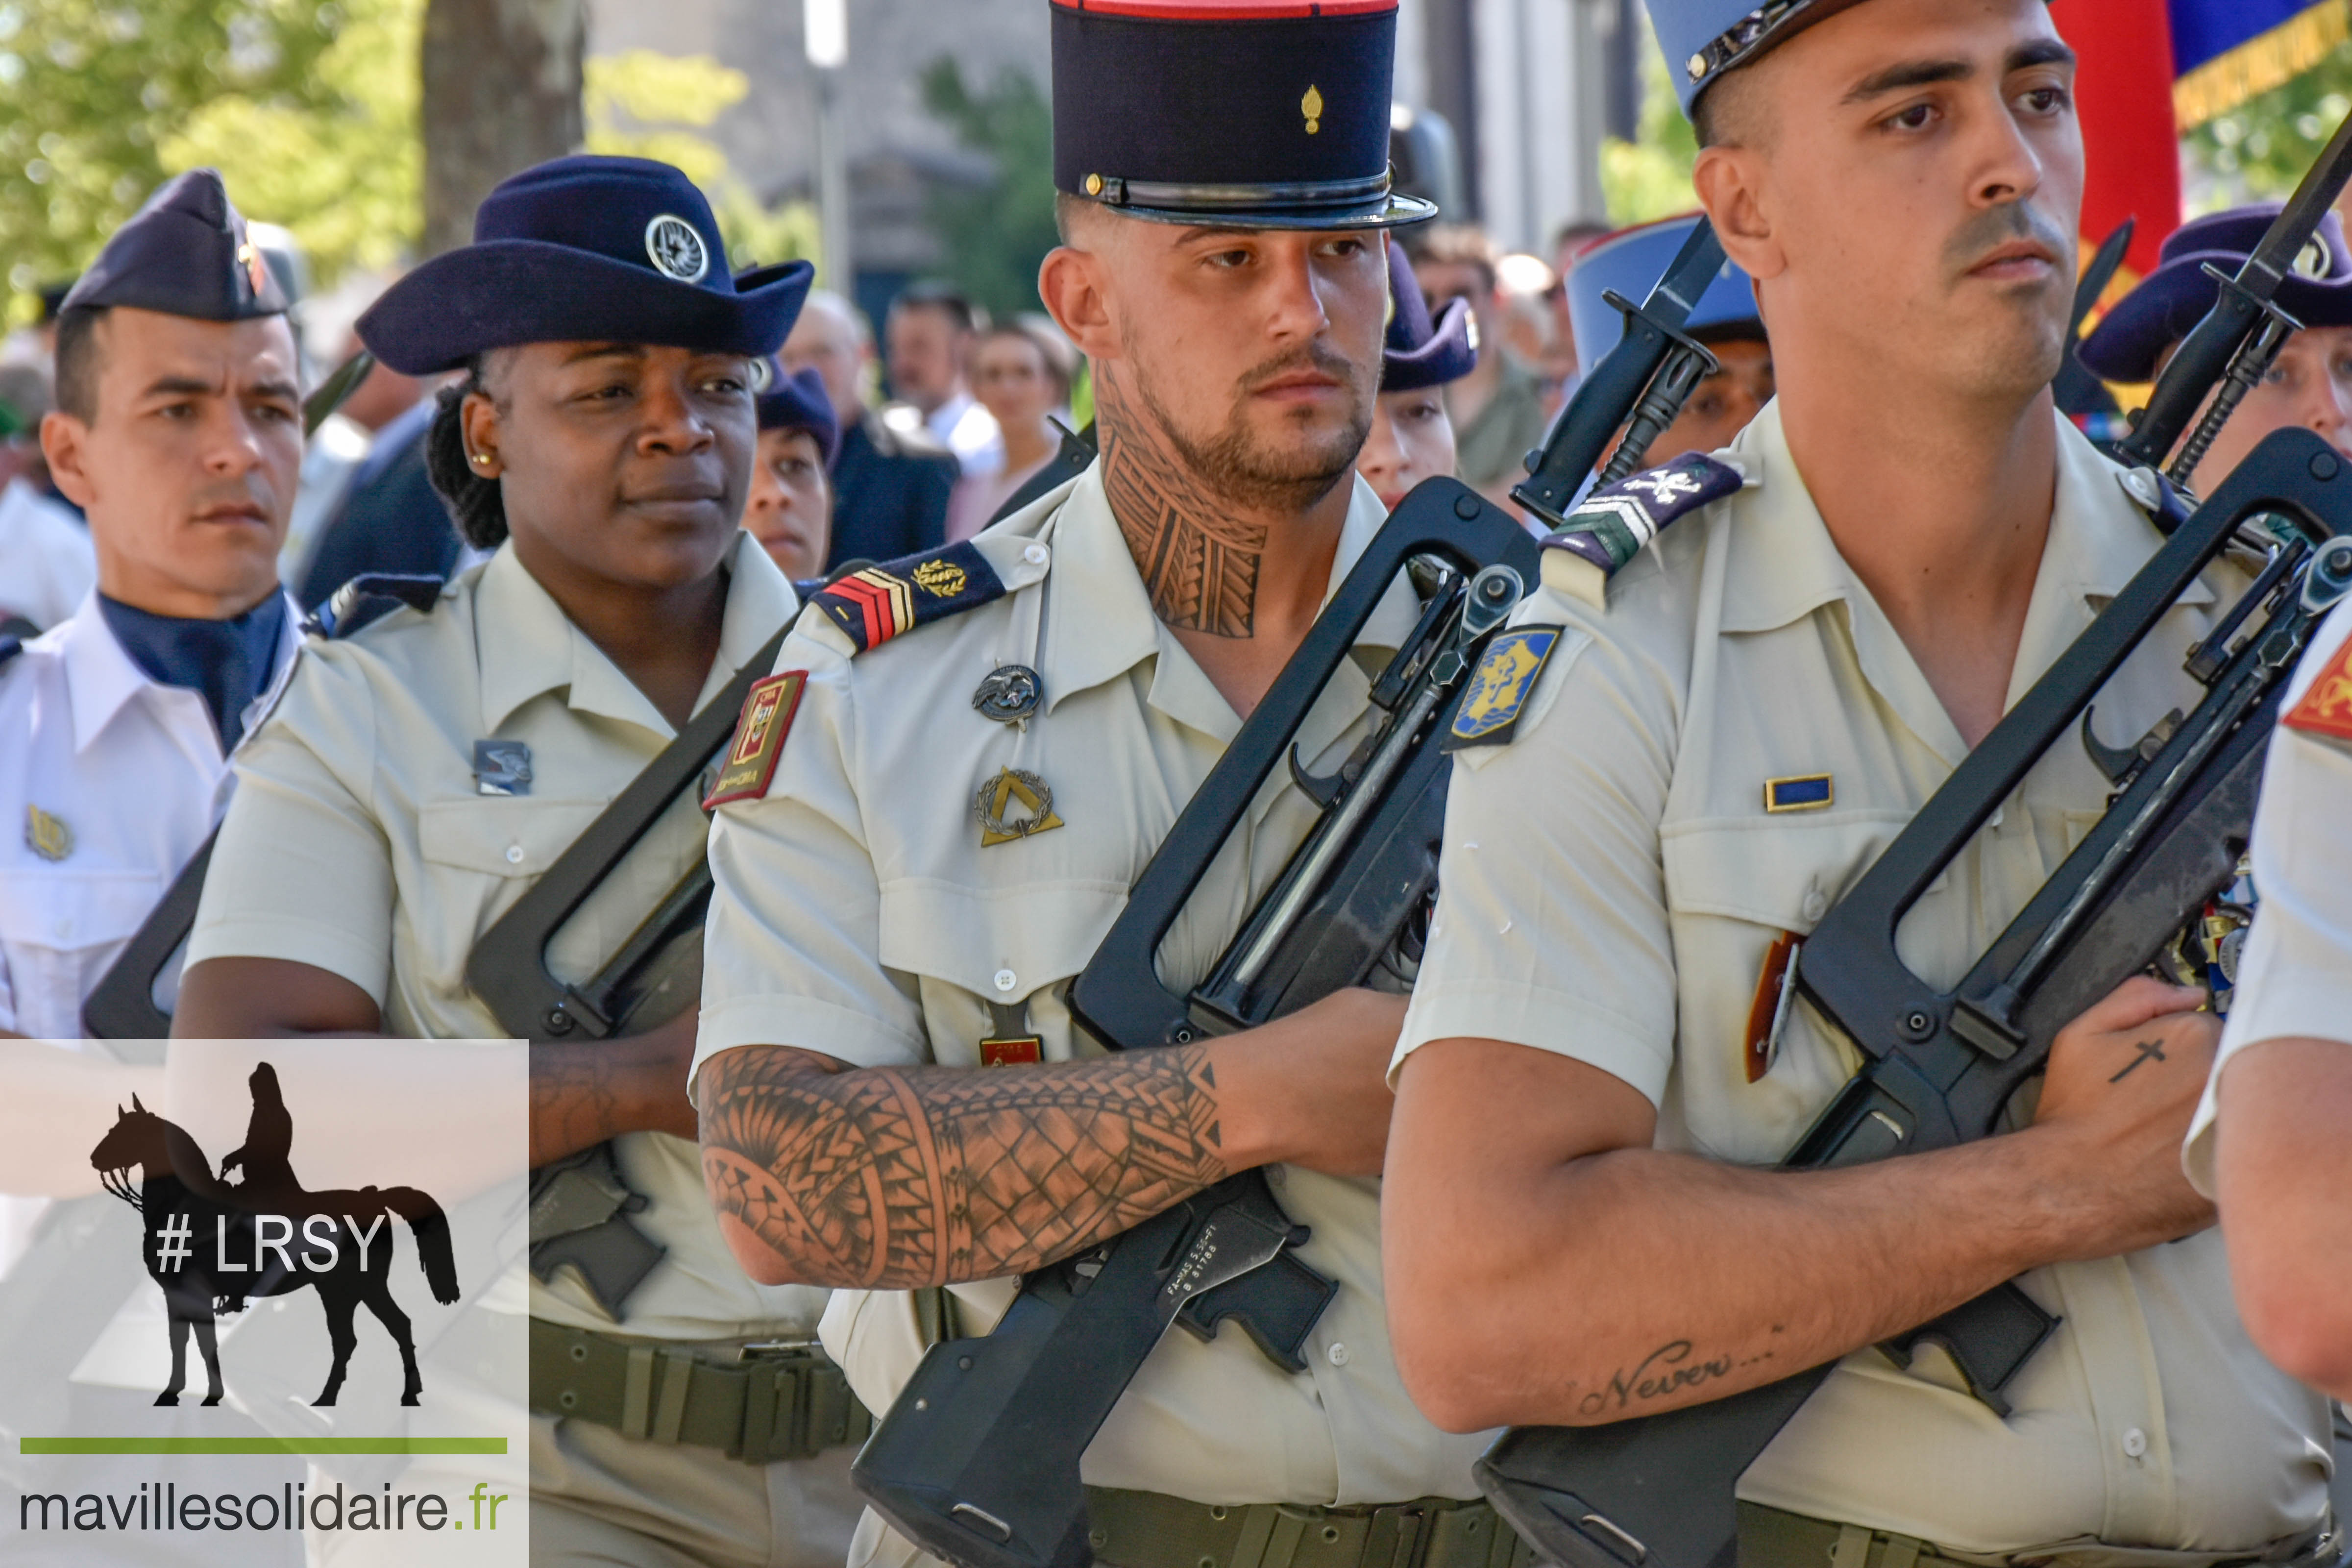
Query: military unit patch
[1616, 520]
[758, 738]
[2326, 705]
[873, 606]
[1499, 689]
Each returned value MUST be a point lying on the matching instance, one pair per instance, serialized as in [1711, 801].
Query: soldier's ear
[1730, 182]
[1073, 285]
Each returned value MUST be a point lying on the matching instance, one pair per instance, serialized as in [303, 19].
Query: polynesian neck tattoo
[1199, 564]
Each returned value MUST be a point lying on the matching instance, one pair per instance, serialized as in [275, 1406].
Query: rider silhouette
[268, 1139]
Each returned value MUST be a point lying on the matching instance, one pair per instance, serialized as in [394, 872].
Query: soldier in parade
[1412, 437]
[1674, 774]
[790, 511]
[438, 762]
[2309, 384]
[977, 750]
[179, 434]
[1725, 323]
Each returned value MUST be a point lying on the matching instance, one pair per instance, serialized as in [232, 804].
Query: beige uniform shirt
[919, 928]
[1623, 921]
[2295, 979]
[358, 844]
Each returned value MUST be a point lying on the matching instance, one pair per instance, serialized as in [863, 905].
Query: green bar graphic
[262, 1444]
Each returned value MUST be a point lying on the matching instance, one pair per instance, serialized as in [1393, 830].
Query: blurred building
[1529, 86]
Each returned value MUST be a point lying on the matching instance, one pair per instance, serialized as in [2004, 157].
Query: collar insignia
[2326, 705]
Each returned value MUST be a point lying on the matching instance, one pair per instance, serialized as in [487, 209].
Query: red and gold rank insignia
[2326, 705]
[758, 738]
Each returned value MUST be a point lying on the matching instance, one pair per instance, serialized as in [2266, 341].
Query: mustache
[1315, 356]
[1998, 225]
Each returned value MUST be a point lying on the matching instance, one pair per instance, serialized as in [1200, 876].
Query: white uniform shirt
[47, 564]
[917, 927]
[2294, 981]
[132, 771]
[1612, 882]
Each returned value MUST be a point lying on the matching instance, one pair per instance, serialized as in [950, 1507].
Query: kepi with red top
[1238, 113]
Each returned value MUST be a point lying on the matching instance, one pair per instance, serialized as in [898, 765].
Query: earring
[481, 460]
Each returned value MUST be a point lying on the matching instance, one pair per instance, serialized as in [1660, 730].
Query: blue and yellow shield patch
[1498, 688]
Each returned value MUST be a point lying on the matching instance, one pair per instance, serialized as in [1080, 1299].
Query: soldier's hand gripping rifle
[579, 1204]
[978, 1461]
[1941, 1066]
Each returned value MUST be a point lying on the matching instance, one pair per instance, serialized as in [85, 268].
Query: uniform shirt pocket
[481, 855]
[60, 929]
[1732, 886]
[971, 947]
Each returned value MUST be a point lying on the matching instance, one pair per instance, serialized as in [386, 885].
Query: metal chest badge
[46, 836]
[1009, 694]
[501, 767]
[995, 801]
[1489, 713]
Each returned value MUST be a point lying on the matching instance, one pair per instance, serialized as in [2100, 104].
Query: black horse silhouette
[211, 1245]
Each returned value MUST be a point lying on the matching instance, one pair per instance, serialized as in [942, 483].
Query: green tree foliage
[2262, 147]
[1650, 176]
[998, 233]
[100, 99]
[643, 104]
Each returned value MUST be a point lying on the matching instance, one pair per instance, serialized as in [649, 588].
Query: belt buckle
[1414, 1530]
[778, 1349]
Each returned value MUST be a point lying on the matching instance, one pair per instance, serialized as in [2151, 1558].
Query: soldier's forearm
[2285, 1166]
[901, 1178]
[583, 1094]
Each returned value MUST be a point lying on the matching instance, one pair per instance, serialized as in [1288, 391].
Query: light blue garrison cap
[1702, 39]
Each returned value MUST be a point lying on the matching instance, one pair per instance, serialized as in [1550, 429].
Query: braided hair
[476, 503]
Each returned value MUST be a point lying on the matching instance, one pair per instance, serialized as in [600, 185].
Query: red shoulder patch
[2326, 705]
[758, 738]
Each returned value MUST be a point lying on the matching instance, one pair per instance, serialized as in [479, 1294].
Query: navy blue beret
[2170, 301]
[585, 248]
[800, 403]
[1417, 355]
[1249, 114]
[1632, 262]
[185, 253]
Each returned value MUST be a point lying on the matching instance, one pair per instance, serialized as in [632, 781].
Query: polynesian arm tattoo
[1199, 563]
[897, 1179]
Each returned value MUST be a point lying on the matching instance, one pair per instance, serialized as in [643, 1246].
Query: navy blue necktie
[227, 663]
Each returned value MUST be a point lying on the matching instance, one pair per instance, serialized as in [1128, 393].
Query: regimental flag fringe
[2261, 63]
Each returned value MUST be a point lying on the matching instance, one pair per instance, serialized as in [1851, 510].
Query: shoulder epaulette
[878, 603]
[1609, 529]
[364, 600]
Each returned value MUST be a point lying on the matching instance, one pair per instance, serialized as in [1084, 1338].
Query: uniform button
[1006, 980]
[1816, 906]
[1034, 554]
[1338, 1354]
[2135, 1442]
[514, 854]
[62, 926]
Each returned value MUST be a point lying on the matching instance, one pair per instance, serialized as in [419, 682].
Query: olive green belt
[1770, 1538]
[760, 1404]
[1144, 1529]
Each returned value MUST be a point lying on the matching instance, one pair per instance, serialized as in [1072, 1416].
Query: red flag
[2131, 152]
